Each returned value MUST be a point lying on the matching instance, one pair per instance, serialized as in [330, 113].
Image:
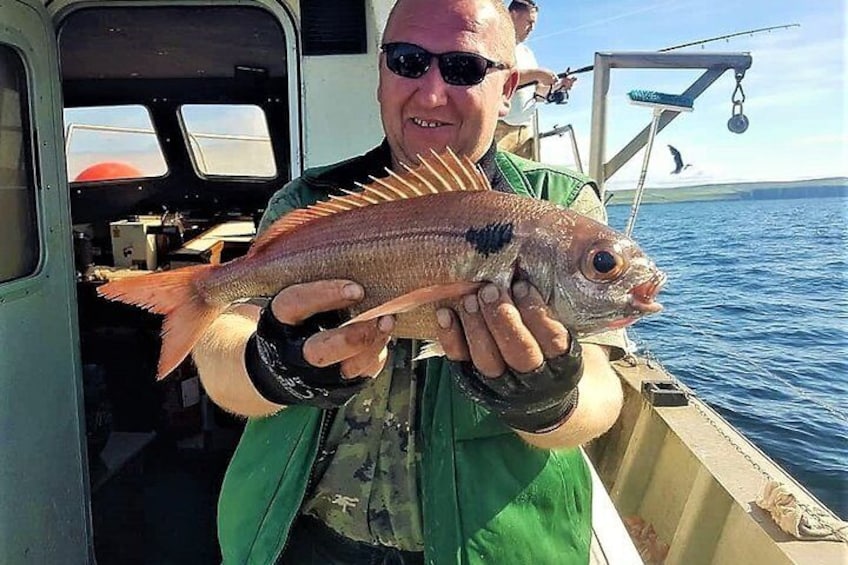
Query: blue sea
[756, 323]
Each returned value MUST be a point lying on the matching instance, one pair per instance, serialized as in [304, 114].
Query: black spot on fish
[491, 238]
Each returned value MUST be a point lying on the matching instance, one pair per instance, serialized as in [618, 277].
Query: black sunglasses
[458, 68]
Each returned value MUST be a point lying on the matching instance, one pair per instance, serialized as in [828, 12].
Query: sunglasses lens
[463, 69]
[409, 61]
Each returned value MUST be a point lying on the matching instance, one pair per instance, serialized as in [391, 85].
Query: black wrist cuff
[276, 367]
[532, 402]
[544, 420]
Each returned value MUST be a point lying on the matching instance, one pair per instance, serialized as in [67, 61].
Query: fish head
[603, 280]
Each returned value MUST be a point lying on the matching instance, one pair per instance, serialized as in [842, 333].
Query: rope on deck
[797, 520]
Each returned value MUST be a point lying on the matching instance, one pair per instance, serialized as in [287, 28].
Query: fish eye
[604, 263]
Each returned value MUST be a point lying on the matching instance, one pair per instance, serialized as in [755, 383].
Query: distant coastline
[809, 188]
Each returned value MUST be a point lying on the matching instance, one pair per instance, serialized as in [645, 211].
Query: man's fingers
[333, 346]
[552, 337]
[451, 336]
[481, 345]
[368, 363]
[377, 366]
[295, 303]
[515, 341]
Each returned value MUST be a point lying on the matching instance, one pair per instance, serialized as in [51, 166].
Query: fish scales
[390, 249]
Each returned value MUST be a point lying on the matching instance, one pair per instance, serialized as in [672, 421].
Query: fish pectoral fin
[428, 350]
[418, 297]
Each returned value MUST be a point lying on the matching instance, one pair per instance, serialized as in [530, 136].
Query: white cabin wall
[340, 113]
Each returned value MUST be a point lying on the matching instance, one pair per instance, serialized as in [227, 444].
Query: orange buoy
[108, 171]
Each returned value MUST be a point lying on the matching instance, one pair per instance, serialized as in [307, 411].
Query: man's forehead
[445, 26]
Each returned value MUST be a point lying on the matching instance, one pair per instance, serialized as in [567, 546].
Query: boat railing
[714, 65]
[559, 131]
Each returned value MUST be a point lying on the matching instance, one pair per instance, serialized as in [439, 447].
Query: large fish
[415, 242]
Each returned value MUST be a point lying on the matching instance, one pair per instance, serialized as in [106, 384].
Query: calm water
[756, 322]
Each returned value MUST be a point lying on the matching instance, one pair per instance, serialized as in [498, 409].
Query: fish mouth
[642, 296]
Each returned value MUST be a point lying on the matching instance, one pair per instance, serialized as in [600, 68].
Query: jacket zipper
[327, 416]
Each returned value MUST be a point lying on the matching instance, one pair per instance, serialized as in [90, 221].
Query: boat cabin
[136, 136]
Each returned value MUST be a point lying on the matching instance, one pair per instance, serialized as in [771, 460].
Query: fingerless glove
[533, 402]
[276, 366]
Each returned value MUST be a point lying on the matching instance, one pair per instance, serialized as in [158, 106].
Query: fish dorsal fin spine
[436, 174]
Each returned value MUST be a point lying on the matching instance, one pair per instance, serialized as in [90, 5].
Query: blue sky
[796, 97]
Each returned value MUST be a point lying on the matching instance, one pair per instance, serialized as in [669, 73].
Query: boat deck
[693, 480]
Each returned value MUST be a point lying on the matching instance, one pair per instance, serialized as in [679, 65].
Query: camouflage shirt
[370, 492]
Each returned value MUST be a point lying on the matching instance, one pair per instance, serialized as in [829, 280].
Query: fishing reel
[558, 96]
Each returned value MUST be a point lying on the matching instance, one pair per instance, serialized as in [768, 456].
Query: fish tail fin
[175, 295]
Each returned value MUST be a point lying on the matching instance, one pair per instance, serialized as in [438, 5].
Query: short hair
[523, 6]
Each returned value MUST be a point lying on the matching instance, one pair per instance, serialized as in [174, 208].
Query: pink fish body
[415, 242]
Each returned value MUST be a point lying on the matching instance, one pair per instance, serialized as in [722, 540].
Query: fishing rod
[588, 68]
[568, 72]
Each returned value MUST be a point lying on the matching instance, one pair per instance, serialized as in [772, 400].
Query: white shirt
[523, 102]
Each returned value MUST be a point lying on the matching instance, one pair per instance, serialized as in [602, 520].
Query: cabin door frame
[44, 511]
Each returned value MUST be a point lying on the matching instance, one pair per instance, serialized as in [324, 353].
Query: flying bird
[678, 160]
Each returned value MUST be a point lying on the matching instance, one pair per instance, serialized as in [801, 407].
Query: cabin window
[18, 216]
[229, 140]
[105, 143]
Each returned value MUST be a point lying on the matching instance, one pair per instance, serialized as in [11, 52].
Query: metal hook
[738, 122]
[738, 95]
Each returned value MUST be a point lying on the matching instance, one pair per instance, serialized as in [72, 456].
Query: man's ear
[509, 88]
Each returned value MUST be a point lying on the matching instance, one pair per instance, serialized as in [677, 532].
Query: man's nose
[432, 88]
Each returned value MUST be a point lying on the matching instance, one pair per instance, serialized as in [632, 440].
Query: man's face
[524, 22]
[420, 114]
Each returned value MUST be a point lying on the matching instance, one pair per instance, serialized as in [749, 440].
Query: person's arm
[252, 380]
[545, 77]
[545, 80]
[219, 356]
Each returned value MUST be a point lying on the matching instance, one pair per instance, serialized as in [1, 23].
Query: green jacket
[487, 496]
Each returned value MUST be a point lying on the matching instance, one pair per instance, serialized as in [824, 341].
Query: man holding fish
[359, 450]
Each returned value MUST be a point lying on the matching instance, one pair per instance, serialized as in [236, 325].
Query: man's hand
[299, 356]
[565, 83]
[513, 357]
